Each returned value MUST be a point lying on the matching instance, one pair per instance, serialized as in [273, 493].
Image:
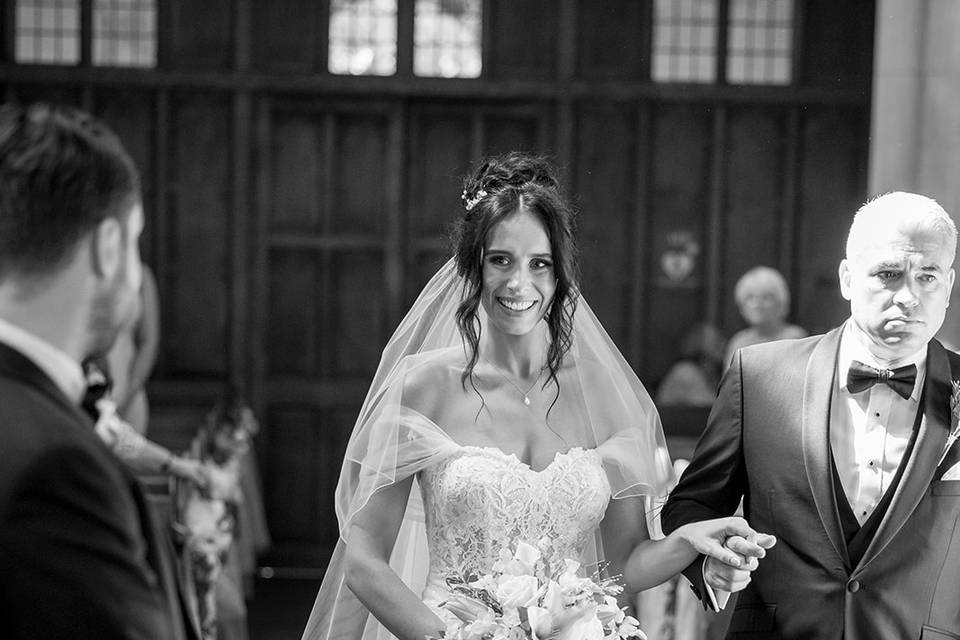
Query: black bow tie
[861, 377]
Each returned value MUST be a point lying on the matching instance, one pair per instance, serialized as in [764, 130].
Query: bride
[501, 412]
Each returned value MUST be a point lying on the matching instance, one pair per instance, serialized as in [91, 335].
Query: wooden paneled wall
[294, 215]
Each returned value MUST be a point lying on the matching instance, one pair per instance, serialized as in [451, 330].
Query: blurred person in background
[764, 301]
[693, 379]
[133, 356]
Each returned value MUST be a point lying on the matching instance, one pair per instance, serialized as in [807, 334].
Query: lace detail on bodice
[481, 500]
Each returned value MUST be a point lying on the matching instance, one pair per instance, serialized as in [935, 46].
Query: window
[684, 41]
[446, 39]
[124, 33]
[49, 32]
[363, 37]
[759, 41]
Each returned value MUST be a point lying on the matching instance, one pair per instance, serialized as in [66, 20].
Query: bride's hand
[729, 540]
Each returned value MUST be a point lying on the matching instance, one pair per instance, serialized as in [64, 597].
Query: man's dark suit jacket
[78, 557]
[767, 439]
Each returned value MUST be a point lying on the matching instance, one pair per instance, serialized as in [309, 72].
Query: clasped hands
[733, 550]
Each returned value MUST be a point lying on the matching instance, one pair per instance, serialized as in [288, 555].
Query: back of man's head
[61, 173]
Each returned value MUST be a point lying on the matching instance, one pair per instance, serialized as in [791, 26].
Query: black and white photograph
[479, 320]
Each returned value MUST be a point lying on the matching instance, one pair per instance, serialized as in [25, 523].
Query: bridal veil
[601, 404]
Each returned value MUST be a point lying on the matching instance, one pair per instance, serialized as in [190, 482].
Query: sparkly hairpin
[470, 203]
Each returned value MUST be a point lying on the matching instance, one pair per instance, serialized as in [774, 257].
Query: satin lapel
[922, 464]
[817, 393]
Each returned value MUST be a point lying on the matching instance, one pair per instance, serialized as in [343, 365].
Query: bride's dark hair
[500, 187]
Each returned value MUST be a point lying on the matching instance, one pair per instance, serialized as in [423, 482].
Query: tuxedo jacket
[79, 557]
[767, 440]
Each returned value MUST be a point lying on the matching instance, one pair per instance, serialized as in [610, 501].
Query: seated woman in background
[693, 379]
[764, 301]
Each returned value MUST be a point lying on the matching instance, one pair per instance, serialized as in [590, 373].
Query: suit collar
[818, 387]
[14, 364]
[65, 372]
[922, 465]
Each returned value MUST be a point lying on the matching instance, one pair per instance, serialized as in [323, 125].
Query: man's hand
[725, 576]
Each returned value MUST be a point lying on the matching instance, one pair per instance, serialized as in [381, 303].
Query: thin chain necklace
[525, 394]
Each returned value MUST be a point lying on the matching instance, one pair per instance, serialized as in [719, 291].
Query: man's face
[116, 303]
[898, 285]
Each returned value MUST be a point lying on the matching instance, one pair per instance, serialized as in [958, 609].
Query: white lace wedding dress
[481, 500]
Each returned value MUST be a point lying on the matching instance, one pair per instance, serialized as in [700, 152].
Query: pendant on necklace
[526, 401]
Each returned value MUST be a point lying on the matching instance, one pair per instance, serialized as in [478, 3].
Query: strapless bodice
[481, 500]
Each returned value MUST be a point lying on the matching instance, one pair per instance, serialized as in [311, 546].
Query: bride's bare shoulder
[432, 378]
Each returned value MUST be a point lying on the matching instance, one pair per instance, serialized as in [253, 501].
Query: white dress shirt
[65, 372]
[870, 430]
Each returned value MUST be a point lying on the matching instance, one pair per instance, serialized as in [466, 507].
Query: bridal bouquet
[524, 598]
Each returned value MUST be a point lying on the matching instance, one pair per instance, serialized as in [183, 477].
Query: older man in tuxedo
[843, 446]
[78, 555]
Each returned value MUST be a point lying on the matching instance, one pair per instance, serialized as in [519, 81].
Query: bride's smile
[517, 305]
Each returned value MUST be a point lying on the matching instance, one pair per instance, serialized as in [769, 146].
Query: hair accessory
[470, 203]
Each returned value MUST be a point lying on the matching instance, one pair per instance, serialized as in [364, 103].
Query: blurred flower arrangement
[206, 517]
[524, 598]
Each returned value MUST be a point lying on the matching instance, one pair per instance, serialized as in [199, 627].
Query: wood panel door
[355, 199]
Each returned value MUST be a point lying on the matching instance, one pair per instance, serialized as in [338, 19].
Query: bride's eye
[540, 264]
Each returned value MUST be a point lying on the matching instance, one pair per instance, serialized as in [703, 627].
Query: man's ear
[843, 274]
[107, 248]
[951, 276]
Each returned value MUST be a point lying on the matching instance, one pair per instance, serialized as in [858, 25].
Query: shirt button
[853, 586]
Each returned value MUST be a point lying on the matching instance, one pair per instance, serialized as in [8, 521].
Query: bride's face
[518, 278]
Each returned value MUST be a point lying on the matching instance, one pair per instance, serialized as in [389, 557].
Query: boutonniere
[954, 420]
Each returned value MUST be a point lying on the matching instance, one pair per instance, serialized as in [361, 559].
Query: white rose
[517, 591]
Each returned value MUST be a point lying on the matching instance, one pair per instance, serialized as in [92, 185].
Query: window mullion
[723, 37]
[86, 33]
[405, 27]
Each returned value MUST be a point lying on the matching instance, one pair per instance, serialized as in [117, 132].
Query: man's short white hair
[896, 209]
